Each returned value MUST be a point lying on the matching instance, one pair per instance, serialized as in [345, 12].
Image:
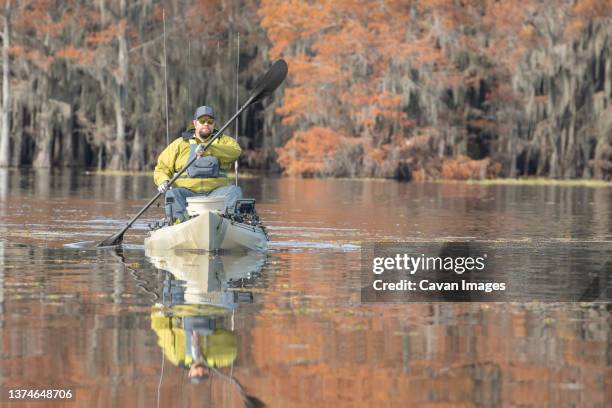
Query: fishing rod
[237, 122]
[166, 78]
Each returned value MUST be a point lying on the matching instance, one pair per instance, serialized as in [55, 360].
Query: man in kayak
[207, 176]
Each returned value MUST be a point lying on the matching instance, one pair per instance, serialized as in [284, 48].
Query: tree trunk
[5, 110]
[67, 158]
[137, 158]
[44, 137]
[119, 159]
[80, 158]
[100, 157]
[599, 157]
[18, 149]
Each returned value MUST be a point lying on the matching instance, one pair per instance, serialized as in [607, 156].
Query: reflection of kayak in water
[207, 277]
[197, 308]
[196, 303]
[210, 230]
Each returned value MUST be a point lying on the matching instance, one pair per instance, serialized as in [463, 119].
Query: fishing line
[189, 74]
[237, 107]
[161, 376]
[232, 329]
[166, 78]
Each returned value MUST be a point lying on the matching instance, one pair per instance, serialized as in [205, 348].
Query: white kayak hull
[208, 231]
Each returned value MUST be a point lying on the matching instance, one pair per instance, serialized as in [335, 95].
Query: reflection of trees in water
[73, 182]
[2, 267]
[600, 216]
[69, 312]
[325, 347]
[419, 354]
[427, 210]
[4, 188]
[42, 182]
[120, 188]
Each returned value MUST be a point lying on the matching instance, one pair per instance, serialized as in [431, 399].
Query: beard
[204, 134]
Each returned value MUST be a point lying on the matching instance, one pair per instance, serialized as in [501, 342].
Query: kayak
[211, 229]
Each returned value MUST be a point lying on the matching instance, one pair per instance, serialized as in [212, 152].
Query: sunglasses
[206, 121]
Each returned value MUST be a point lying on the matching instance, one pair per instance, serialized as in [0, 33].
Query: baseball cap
[204, 110]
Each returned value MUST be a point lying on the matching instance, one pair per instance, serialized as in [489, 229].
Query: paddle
[265, 86]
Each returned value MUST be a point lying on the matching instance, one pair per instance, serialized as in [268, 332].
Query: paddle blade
[270, 81]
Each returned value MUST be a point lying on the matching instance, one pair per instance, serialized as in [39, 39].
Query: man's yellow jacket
[176, 155]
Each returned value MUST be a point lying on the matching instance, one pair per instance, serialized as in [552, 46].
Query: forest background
[420, 89]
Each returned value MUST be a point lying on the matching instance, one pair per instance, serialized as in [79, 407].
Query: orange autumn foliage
[107, 34]
[313, 148]
[339, 53]
[341, 57]
[462, 168]
[457, 168]
[81, 55]
[379, 71]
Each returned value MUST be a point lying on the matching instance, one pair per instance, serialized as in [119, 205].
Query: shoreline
[522, 181]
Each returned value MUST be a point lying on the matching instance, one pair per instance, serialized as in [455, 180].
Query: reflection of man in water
[193, 339]
[198, 372]
[190, 321]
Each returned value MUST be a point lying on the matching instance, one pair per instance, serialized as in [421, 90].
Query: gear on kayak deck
[244, 212]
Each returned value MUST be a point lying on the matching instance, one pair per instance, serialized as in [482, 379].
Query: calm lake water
[288, 327]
